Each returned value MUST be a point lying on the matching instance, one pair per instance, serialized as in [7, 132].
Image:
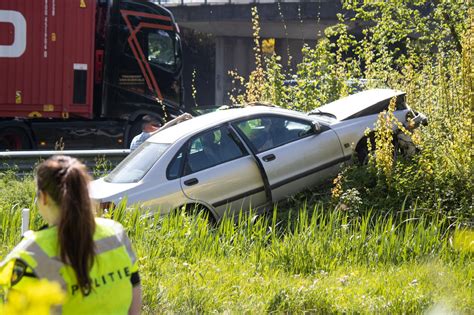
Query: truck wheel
[134, 129]
[14, 139]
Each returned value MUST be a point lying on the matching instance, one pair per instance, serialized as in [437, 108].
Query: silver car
[239, 158]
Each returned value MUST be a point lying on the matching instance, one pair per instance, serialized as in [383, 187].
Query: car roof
[352, 104]
[202, 122]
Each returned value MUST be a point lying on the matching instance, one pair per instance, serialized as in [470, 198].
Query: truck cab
[88, 72]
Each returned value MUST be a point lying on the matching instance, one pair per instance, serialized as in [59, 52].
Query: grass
[231, 285]
[317, 261]
[320, 262]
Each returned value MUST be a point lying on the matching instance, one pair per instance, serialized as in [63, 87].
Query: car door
[293, 156]
[220, 172]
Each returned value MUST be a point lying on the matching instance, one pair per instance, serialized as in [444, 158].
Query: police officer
[91, 258]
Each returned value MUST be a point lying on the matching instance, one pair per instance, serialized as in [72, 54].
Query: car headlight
[417, 118]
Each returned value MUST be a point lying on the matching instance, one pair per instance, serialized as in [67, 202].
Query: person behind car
[273, 132]
[151, 125]
[262, 139]
[91, 258]
[404, 138]
[211, 148]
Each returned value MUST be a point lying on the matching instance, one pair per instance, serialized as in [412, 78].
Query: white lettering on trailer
[17, 48]
[80, 66]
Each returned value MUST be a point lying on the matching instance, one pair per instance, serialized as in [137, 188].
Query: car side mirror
[315, 127]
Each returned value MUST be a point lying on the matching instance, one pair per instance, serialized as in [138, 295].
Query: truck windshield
[137, 164]
[161, 48]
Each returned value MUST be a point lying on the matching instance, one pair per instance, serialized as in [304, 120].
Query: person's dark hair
[66, 180]
[148, 119]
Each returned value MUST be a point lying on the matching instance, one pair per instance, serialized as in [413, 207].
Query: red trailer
[86, 70]
[52, 76]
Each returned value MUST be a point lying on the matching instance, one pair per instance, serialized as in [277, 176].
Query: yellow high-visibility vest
[114, 263]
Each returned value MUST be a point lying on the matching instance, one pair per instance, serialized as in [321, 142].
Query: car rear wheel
[197, 209]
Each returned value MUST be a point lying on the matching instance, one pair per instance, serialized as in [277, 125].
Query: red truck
[80, 74]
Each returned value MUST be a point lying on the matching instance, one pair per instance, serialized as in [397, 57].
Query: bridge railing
[206, 2]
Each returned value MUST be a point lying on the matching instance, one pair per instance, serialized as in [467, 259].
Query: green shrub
[424, 48]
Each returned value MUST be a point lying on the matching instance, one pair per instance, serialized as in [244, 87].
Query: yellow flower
[35, 299]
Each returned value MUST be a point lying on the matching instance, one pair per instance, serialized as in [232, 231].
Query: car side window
[268, 132]
[174, 169]
[211, 148]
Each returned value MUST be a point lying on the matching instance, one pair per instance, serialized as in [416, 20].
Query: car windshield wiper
[318, 112]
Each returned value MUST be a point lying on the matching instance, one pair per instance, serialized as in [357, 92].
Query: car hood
[353, 104]
[100, 190]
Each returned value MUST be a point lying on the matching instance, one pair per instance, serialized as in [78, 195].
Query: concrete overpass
[229, 23]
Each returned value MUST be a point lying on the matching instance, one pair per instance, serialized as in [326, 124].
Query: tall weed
[422, 48]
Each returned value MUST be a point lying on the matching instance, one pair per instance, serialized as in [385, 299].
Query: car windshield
[137, 163]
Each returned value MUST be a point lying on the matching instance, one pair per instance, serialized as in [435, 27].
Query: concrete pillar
[231, 54]
[236, 53]
[240, 63]
[220, 71]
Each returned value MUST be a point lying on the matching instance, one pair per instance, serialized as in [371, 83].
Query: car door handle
[268, 158]
[190, 182]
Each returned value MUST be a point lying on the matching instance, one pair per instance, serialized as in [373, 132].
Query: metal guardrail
[97, 161]
[217, 2]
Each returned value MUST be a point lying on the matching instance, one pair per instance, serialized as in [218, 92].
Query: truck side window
[161, 48]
